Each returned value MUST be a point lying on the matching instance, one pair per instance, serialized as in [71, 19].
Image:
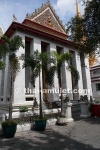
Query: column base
[84, 116]
[70, 119]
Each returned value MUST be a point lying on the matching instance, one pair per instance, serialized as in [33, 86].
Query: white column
[67, 80]
[37, 46]
[5, 80]
[31, 53]
[86, 77]
[55, 96]
[80, 82]
[19, 84]
[0, 83]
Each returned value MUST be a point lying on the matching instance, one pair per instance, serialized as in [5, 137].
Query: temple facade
[43, 31]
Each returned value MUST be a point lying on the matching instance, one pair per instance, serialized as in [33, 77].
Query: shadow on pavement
[57, 138]
[90, 120]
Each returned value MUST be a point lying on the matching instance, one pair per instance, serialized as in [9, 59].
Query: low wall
[26, 119]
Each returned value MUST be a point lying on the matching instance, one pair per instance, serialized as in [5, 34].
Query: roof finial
[27, 15]
[78, 9]
[14, 18]
[35, 10]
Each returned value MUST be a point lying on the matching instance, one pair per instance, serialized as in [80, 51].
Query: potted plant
[11, 46]
[37, 62]
[9, 128]
[60, 60]
[23, 108]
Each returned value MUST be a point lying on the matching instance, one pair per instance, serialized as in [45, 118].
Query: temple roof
[43, 22]
[24, 28]
[46, 16]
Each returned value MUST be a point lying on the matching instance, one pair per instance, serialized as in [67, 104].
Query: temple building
[43, 31]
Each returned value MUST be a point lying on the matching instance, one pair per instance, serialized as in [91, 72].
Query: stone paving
[82, 134]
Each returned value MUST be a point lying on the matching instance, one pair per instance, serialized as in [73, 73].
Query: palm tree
[37, 62]
[40, 61]
[3, 52]
[60, 59]
[10, 47]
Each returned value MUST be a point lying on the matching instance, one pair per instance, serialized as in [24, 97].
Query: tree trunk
[62, 114]
[61, 103]
[40, 116]
[10, 101]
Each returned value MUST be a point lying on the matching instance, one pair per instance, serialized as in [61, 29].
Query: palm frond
[14, 65]
[33, 76]
[13, 44]
[50, 72]
[2, 65]
[75, 74]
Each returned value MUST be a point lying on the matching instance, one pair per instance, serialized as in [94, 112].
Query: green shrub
[7, 123]
[36, 119]
[23, 108]
[97, 101]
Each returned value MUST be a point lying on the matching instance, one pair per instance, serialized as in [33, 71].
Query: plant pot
[62, 121]
[95, 110]
[9, 130]
[40, 125]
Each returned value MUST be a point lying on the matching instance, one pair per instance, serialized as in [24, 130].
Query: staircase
[51, 105]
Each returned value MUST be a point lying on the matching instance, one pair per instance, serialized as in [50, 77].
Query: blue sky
[65, 9]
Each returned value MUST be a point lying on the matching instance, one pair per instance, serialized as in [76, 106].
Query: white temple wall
[78, 67]
[1, 87]
[19, 84]
[86, 77]
[55, 96]
[37, 46]
[6, 80]
[67, 82]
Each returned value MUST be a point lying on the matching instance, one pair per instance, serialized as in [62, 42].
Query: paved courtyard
[82, 134]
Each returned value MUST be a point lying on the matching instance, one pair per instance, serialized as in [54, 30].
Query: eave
[15, 26]
[47, 30]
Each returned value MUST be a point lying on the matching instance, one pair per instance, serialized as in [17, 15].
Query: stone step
[52, 105]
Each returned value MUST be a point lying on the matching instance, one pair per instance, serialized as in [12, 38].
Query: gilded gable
[47, 19]
[46, 16]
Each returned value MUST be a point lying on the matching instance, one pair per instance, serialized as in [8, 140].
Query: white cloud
[64, 8]
[67, 8]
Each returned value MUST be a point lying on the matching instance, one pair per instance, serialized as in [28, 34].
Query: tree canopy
[85, 30]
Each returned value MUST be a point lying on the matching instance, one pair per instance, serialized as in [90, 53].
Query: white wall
[36, 44]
